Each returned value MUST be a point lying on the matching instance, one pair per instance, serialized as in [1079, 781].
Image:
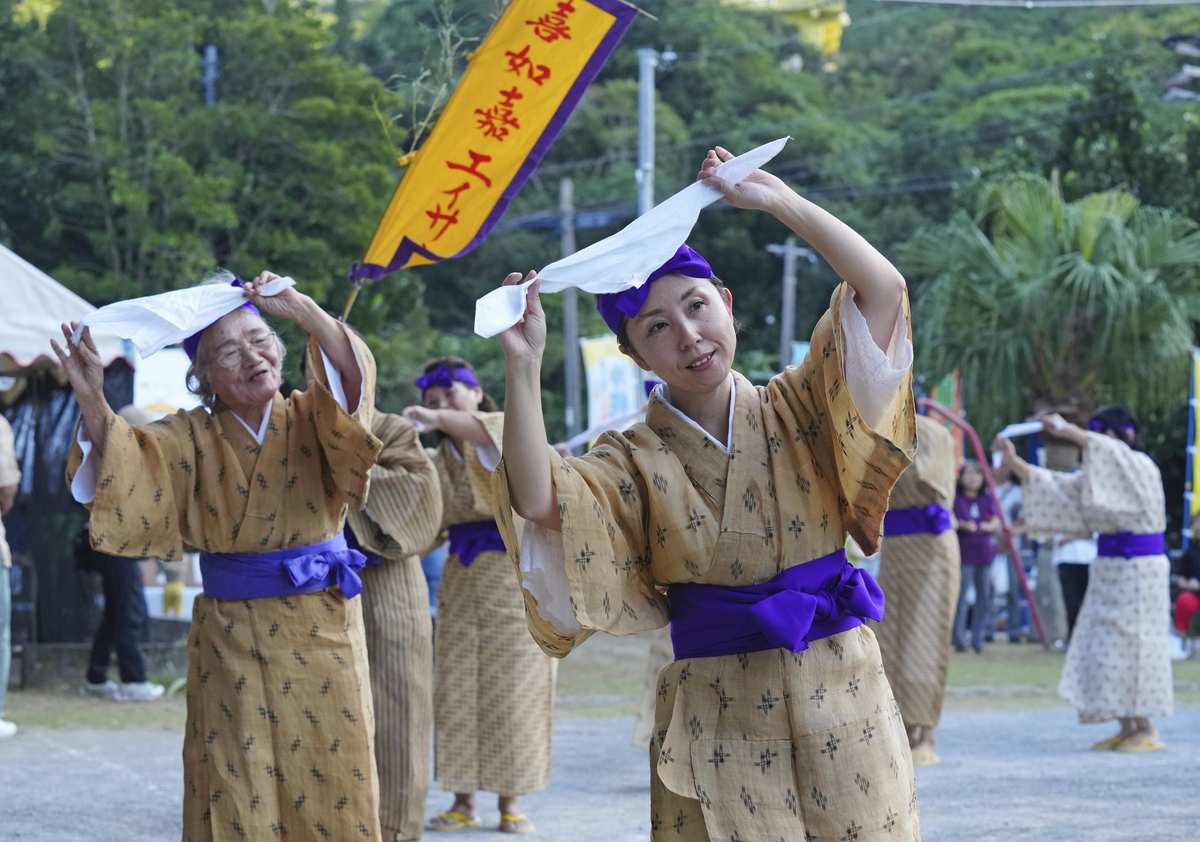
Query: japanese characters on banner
[615, 385]
[520, 87]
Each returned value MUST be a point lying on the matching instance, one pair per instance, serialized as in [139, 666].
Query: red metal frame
[1010, 546]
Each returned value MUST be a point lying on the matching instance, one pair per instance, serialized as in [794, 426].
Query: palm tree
[1045, 303]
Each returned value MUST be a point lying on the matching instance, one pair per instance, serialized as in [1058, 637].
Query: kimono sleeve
[344, 436]
[1122, 487]
[1052, 503]
[861, 461]
[481, 459]
[403, 512]
[144, 481]
[602, 552]
[933, 465]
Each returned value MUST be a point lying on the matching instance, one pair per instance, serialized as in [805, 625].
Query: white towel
[627, 258]
[153, 322]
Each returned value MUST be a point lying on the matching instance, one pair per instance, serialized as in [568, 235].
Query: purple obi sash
[1130, 544]
[290, 572]
[919, 520]
[468, 540]
[817, 599]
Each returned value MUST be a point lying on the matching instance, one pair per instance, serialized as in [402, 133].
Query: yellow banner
[520, 87]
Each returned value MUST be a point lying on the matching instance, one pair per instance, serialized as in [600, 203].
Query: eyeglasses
[230, 355]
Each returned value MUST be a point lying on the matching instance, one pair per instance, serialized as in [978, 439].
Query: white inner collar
[261, 435]
[663, 393]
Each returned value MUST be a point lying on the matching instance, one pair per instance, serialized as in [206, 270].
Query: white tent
[32, 306]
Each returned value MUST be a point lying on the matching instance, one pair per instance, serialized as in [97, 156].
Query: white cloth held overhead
[153, 322]
[626, 259]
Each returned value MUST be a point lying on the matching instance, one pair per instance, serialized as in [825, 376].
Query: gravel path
[1007, 775]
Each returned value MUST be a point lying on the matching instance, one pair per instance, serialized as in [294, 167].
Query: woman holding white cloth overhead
[278, 741]
[775, 719]
[1118, 663]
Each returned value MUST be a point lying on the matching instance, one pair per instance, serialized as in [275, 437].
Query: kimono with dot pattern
[920, 575]
[773, 744]
[1118, 663]
[278, 742]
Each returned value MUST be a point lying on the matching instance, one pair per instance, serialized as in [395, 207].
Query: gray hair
[197, 379]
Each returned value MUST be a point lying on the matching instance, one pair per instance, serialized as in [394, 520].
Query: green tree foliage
[1044, 303]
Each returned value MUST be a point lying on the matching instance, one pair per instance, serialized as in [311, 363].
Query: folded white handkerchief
[627, 258]
[153, 322]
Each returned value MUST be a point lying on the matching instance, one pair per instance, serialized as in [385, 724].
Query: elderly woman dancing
[278, 742]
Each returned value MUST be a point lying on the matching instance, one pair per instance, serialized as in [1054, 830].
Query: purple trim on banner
[817, 599]
[1131, 544]
[468, 540]
[290, 572]
[623, 15]
[918, 520]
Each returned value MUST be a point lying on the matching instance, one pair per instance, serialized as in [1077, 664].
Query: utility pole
[211, 73]
[787, 322]
[647, 62]
[566, 210]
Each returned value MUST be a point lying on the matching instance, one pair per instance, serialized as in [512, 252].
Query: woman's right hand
[526, 340]
[82, 363]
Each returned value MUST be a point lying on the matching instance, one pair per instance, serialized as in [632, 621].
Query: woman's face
[458, 396]
[685, 333]
[972, 479]
[241, 355]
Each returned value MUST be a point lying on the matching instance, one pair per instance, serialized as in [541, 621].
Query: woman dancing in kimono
[775, 720]
[493, 687]
[918, 570]
[400, 519]
[1118, 662]
[278, 740]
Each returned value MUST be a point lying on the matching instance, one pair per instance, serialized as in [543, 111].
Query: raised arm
[530, 486]
[455, 423]
[877, 284]
[85, 372]
[312, 319]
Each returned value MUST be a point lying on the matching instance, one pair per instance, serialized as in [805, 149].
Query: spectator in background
[1009, 493]
[124, 616]
[977, 521]
[1073, 557]
[10, 478]
[1185, 583]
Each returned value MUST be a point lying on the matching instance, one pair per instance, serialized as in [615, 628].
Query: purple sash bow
[919, 520]
[817, 599]
[468, 540]
[290, 572]
[1130, 544]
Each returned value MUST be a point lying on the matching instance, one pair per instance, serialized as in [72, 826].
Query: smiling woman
[278, 689]
[725, 515]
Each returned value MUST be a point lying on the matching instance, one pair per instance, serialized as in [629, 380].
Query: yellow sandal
[451, 821]
[925, 757]
[1109, 743]
[519, 822]
[1140, 743]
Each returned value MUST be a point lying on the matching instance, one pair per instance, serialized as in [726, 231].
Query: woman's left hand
[758, 191]
[290, 304]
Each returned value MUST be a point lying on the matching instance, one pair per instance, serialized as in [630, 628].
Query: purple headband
[1099, 425]
[192, 344]
[614, 306]
[445, 377]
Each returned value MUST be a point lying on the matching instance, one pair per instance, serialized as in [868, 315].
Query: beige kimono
[920, 576]
[401, 518]
[772, 744]
[278, 742]
[493, 687]
[1118, 662]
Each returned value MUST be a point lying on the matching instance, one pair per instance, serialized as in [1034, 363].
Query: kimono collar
[662, 395]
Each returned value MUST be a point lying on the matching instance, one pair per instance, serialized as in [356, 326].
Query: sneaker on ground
[7, 729]
[139, 691]
[101, 690]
